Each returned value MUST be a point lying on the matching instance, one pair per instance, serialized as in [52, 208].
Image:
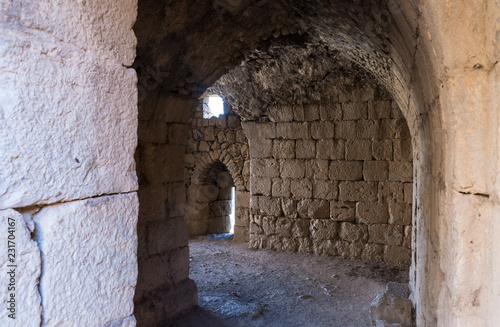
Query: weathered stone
[301, 189]
[345, 130]
[402, 149]
[390, 191]
[313, 209]
[367, 129]
[371, 212]
[327, 190]
[379, 109]
[107, 227]
[346, 170]
[317, 169]
[408, 192]
[353, 232]
[342, 211]
[385, 234]
[264, 167]
[322, 130]
[323, 229]
[300, 228]
[292, 169]
[375, 170]
[354, 110]
[269, 206]
[330, 112]
[260, 186]
[158, 243]
[293, 130]
[408, 237]
[261, 148]
[400, 171]
[358, 191]
[358, 150]
[399, 213]
[283, 149]
[280, 114]
[305, 149]
[373, 252]
[280, 187]
[382, 149]
[388, 310]
[311, 112]
[398, 289]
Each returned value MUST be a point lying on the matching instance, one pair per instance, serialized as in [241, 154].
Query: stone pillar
[68, 121]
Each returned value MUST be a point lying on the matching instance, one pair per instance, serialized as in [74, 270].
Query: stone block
[305, 245]
[398, 289]
[269, 225]
[261, 148]
[218, 225]
[241, 137]
[408, 192]
[242, 216]
[397, 254]
[224, 180]
[152, 131]
[358, 150]
[367, 129]
[100, 261]
[162, 163]
[221, 122]
[233, 121]
[390, 310]
[330, 111]
[371, 212]
[408, 237]
[280, 187]
[202, 193]
[313, 209]
[289, 245]
[292, 169]
[342, 211]
[301, 189]
[399, 213]
[305, 149]
[298, 112]
[289, 207]
[353, 232]
[350, 250]
[323, 229]
[346, 170]
[322, 130]
[241, 234]
[269, 206]
[388, 129]
[152, 201]
[175, 205]
[264, 167]
[330, 149]
[260, 186]
[346, 130]
[358, 191]
[293, 130]
[28, 260]
[209, 134]
[375, 170]
[390, 191]
[379, 109]
[196, 211]
[242, 199]
[283, 149]
[325, 247]
[204, 146]
[225, 193]
[284, 227]
[317, 169]
[402, 149]
[354, 110]
[167, 235]
[385, 234]
[230, 137]
[280, 113]
[327, 190]
[311, 111]
[300, 228]
[382, 149]
[401, 171]
[373, 252]
[221, 208]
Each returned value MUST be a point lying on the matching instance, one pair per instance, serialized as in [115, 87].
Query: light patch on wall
[213, 106]
[232, 217]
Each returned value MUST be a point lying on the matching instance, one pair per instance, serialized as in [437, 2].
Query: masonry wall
[68, 121]
[217, 158]
[333, 177]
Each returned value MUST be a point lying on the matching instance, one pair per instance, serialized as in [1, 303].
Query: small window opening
[213, 106]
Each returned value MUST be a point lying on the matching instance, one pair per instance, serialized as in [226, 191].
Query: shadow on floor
[197, 317]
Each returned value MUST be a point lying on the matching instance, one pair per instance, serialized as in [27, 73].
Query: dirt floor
[242, 287]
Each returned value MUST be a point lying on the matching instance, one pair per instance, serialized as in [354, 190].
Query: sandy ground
[242, 287]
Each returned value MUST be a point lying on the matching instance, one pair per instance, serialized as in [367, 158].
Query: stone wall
[68, 121]
[163, 286]
[333, 178]
[217, 158]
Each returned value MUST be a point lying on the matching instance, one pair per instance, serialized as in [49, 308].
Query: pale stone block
[283, 149]
[399, 213]
[397, 254]
[367, 129]
[379, 109]
[371, 212]
[293, 130]
[280, 113]
[260, 186]
[261, 148]
[385, 234]
[269, 206]
[242, 217]
[401, 171]
[26, 257]
[100, 261]
[311, 111]
[327, 190]
[342, 211]
[301, 189]
[373, 252]
[408, 192]
[317, 169]
[358, 191]
[390, 310]
[300, 228]
[346, 170]
[305, 245]
[280, 187]
[353, 232]
[305, 149]
[313, 209]
[345, 130]
[322, 130]
[289, 207]
[290, 244]
[264, 167]
[402, 149]
[323, 229]
[86, 159]
[292, 169]
[354, 110]
[390, 191]
[284, 227]
[375, 170]
[382, 149]
[350, 250]
[326, 247]
[358, 150]
[242, 199]
[269, 225]
[126, 322]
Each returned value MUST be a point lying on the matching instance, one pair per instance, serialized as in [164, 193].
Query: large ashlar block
[103, 27]
[89, 253]
[264, 167]
[70, 144]
[358, 191]
[27, 259]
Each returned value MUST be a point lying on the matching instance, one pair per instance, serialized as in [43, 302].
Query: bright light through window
[213, 106]
[233, 207]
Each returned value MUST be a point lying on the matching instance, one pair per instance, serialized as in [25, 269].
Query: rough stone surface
[97, 257]
[28, 309]
[391, 310]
